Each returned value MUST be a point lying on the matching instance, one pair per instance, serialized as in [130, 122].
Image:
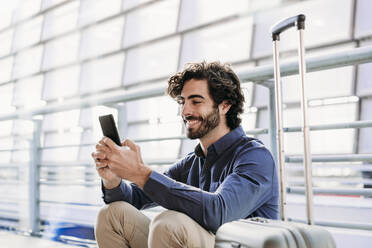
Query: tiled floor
[11, 240]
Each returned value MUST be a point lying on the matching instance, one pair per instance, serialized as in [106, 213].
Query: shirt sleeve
[247, 188]
[131, 193]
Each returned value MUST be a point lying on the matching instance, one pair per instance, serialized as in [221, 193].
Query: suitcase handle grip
[298, 20]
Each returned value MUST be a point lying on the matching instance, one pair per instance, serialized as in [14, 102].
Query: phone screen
[109, 128]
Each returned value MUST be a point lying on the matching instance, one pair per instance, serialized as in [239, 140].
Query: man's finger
[130, 144]
[98, 155]
[111, 144]
[101, 164]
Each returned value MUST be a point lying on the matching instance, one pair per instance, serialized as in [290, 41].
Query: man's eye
[195, 102]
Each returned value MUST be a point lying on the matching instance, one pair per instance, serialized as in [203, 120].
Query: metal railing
[260, 75]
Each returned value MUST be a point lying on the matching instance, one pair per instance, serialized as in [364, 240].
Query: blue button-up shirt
[237, 179]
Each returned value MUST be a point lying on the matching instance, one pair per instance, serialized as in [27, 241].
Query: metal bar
[352, 167]
[261, 74]
[306, 130]
[64, 183]
[71, 203]
[257, 75]
[354, 124]
[279, 129]
[34, 177]
[360, 192]
[273, 127]
[332, 158]
[349, 225]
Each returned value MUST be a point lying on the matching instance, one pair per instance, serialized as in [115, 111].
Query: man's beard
[207, 123]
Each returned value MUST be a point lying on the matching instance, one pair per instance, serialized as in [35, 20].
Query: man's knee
[169, 225]
[114, 211]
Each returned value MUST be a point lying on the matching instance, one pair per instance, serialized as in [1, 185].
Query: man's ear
[224, 107]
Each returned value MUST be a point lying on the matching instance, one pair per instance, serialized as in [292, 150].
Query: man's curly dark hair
[223, 84]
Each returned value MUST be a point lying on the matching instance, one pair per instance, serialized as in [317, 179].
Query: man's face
[198, 111]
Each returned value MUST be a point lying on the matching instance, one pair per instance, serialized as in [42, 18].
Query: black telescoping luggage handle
[298, 20]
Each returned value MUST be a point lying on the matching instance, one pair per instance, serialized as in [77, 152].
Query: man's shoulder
[252, 149]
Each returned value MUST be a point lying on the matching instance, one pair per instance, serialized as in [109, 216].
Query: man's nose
[185, 110]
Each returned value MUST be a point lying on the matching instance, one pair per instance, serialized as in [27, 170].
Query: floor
[11, 240]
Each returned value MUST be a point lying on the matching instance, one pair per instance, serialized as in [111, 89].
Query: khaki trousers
[119, 224]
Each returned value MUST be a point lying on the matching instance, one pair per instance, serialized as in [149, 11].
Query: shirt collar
[223, 143]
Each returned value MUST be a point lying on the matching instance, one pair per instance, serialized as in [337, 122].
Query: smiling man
[227, 177]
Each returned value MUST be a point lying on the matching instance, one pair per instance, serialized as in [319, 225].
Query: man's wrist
[145, 174]
[111, 184]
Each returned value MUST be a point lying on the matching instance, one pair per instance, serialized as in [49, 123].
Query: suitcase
[266, 233]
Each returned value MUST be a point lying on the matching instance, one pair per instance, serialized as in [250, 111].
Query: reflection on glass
[94, 10]
[104, 38]
[61, 20]
[102, 74]
[152, 61]
[140, 24]
[223, 42]
[61, 51]
[27, 33]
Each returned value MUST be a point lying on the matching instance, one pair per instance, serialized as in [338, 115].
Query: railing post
[34, 179]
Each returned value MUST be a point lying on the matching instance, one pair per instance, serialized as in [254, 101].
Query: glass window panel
[61, 51]
[61, 138]
[26, 9]
[140, 23]
[21, 156]
[27, 92]
[152, 61]
[104, 38]
[78, 194]
[197, 12]
[6, 42]
[6, 96]
[5, 157]
[317, 27]
[61, 83]
[102, 74]
[61, 120]
[151, 109]
[6, 66]
[6, 143]
[89, 119]
[23, 127]
[49, 3]
[128, 4]
[6, 13]
[321, 84]
[363, 24]
[224, 42]
[154, 130]
[365, 134]
[187, 146]
[261, 96]
[27, 62]
[85, 152]
[322, 142]
[61, 20]
[94, 10]
[249, 120]
[27, 33]
[66, 154]
[5, 128]
[160, 150]
[364, 79]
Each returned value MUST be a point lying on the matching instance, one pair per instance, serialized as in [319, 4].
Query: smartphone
[109, 128]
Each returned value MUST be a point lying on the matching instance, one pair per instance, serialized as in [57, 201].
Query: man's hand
[110, 179]
[124, 162]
